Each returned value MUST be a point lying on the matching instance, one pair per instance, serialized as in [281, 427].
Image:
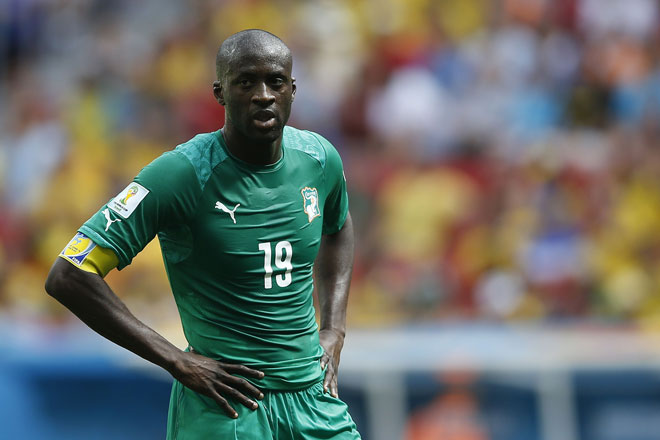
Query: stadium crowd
[501, 155]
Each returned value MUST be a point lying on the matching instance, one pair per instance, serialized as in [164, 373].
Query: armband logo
[129, 199]
[78, 249]
[310, 203]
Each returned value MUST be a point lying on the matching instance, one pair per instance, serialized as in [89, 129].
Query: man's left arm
[334, 266]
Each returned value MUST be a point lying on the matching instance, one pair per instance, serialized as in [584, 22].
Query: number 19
[283, 253]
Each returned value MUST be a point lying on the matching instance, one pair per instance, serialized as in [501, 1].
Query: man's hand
[91, 299]
[332, 343]
[216, 380]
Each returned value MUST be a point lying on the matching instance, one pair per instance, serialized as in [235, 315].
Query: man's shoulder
[204, 153]
[201, 145]
[308, 142]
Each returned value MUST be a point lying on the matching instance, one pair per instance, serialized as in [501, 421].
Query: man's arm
[90, 298]
[334, 266]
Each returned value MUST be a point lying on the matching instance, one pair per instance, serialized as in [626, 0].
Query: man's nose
[263, 94]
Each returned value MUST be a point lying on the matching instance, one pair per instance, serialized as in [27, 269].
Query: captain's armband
[83, 253]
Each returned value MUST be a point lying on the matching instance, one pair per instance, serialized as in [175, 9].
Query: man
[241, 214]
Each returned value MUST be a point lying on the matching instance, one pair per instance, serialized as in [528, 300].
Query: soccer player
[241, 215]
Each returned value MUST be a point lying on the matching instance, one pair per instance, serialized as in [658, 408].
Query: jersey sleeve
[163, 194]
[335, 209]
[83, 253]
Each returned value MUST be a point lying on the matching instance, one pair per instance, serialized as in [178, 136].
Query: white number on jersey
[283, 254]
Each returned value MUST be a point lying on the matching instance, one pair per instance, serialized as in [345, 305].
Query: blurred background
[503, 167]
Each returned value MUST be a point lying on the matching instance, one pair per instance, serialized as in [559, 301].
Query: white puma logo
[106, 213]
[219, 205]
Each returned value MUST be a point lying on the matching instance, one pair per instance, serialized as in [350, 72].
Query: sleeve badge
[129, 199]
[78, 249]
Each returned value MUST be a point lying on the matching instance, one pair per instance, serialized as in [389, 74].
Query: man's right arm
[90, 298]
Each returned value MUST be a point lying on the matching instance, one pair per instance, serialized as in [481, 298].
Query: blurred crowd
[501, 155]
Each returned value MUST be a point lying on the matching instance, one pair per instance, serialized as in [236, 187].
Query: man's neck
[255, 153]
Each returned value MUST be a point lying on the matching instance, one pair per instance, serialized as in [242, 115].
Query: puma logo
[220, 206]
[106, 213]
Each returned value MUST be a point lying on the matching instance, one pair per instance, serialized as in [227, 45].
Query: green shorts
[282, 415]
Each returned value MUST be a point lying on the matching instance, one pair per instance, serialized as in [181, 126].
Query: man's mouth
[265, 119]
[263, 115]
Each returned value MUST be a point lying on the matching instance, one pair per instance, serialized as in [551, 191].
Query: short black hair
[235, 45]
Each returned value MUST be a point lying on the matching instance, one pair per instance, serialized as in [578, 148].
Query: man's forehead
[253, 50]
[257, 51]
[247, 60]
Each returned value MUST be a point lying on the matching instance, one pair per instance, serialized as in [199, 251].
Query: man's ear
[217, 92]
[293, 88]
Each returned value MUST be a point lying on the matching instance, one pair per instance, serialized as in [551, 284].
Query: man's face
[257, 93]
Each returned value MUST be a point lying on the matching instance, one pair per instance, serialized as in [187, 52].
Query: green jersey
[239, 243]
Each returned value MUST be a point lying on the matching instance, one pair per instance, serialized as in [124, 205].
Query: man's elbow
[56, 282]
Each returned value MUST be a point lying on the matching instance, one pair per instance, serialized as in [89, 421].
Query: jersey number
[283, 253]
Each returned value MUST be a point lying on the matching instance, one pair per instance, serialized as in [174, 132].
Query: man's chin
[270, 135]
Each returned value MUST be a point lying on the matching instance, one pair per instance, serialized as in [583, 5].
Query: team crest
[310, 202]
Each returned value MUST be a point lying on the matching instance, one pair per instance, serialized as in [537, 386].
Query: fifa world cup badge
[129, 199]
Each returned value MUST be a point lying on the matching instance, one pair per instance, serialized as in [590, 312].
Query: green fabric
[230, 307]
[307, 414]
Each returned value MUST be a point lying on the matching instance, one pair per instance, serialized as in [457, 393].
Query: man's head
[255, 84]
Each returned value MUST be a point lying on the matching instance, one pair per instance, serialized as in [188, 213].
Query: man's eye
[277, 82]
[245, 82]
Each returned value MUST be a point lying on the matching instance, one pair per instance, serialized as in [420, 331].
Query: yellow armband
[83, 253]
